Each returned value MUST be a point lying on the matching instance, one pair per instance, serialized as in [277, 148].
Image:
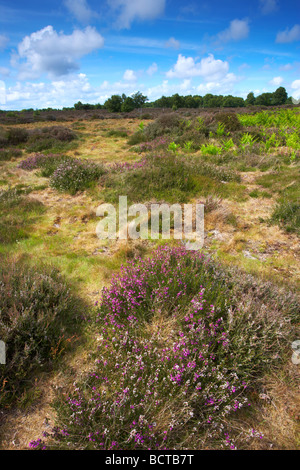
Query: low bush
[9, 154]
[166, 177]
[47, 163]
[229, 120]
[75, 175]
[46, 138]
[38, 316]
[16, 135]
[180, 341]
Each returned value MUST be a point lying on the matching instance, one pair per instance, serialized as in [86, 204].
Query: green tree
[279, 96]
[139, 99]
[127, 105]
[250, 100]
[114, 103]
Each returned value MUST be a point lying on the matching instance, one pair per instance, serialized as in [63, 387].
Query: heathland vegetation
[143, 344]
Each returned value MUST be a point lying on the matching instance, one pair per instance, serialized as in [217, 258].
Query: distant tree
[163, 102]
[230, 101]
[127, 105]
[212, 101]
[114, 103]
[177, 101]
[265, 99]
[279, 96]
[139, 99]
[250, 100]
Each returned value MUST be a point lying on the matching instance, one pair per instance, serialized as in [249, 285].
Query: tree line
[123, 103]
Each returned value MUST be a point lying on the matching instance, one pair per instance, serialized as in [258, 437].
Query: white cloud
[289, 35]
[172, 43]
[3, 41]
[296, 87]
[276, 81]
[79, 9]
[57, 93]
[152, 69]
[286, 67]
[209, 68]
[4, 71]
[268, 6]
[223, 86]
[131, 10]
[46, 51]
[129, 76]
[167, 89]
[238, 29]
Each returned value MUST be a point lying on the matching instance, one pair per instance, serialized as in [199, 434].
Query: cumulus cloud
[289, 35]
[172, 43]
[296, 89]
[209, 68]
[223, 86]
[268, 6]
[131, 10]
[276, 81]
[79, 9]
[56, 54]
[238, 30]
[3, 41]
[129, 76]
[152, 69]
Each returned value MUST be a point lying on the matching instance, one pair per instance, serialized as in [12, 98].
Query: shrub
[230, 121]
[166, 124]
[46, 138]
[47, 163]
[16, 135]
[137, 138]
[75, 175]
[8, 154]
[38, 315]
[164, 177]
[178, 349]
[168, 177]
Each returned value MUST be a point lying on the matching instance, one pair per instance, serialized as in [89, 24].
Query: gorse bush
[39, 314]
[75, 175]
[178, 349]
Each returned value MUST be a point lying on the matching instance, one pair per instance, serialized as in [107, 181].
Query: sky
[56, 53]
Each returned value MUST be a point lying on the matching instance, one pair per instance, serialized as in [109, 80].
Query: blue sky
[55, 53]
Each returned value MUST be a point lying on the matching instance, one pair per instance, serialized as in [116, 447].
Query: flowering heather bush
[47, 163]
[176, 353]
[75, 175]
[159, 142]
[119, 167]
[39, 314]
